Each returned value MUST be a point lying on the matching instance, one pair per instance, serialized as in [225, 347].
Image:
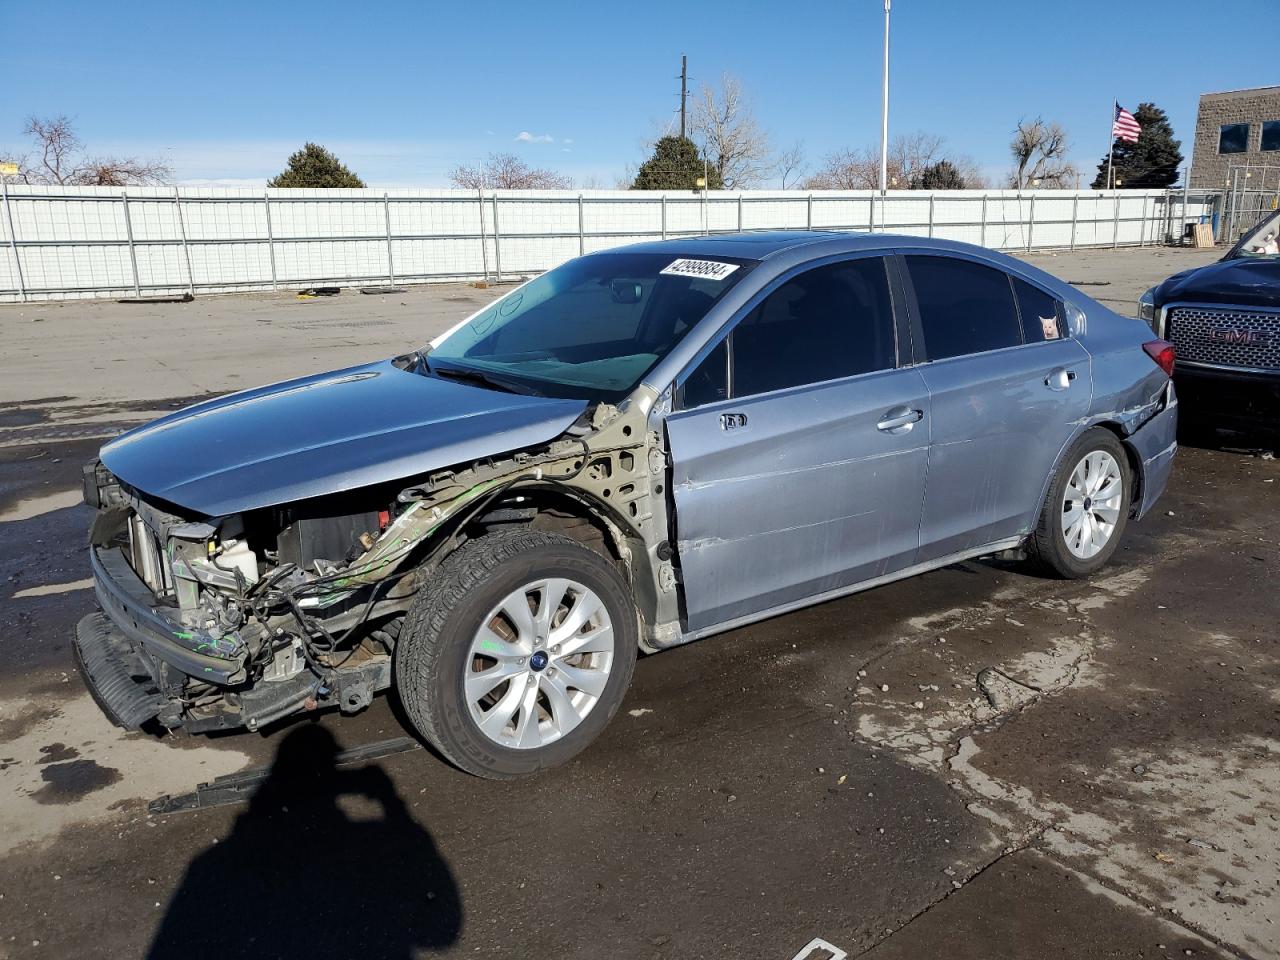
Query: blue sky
[404, 91]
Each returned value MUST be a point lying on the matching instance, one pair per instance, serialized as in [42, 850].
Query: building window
[1271, 134]
[1233, 138]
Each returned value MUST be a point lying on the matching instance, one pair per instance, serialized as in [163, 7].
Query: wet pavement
[977, 762]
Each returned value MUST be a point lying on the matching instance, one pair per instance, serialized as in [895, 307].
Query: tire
[443, 646]
[1050, 548]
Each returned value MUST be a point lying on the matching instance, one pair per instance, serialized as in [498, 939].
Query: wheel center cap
[538, 660]
[1088, 502]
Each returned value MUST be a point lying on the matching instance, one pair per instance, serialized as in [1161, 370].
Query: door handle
[1059, 378]
[732, 421]
[900, 420]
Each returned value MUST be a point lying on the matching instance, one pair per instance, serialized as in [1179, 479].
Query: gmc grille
[1228, 336]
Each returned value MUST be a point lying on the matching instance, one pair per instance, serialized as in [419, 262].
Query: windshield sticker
[707, 269]
[1050, 327]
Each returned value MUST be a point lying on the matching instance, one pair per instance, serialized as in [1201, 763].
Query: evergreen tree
[314, 166]
[676, 164]
[1149, 163]
[942, 175]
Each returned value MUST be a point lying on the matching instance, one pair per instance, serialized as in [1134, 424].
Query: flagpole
[1111, 144]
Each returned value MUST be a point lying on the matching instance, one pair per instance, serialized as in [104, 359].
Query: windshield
[589, 329]
[1262, 240]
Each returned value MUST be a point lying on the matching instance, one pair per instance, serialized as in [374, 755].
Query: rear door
[798, 447]
[1006, 387]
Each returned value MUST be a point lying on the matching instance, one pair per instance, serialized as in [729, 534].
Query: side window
[709, 381]
[1041, 314]
[829, 322]
[965, 307]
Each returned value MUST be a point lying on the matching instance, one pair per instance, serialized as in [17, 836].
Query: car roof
[764, 244]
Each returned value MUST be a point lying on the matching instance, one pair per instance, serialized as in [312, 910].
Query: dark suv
[1224, 321]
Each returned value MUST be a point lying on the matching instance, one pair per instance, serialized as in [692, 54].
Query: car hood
[324, 434]
[1243, 281]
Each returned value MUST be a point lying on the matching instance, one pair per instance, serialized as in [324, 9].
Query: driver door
[799, 448]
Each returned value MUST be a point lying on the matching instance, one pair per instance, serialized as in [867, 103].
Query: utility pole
[684, 90]
[884, 110]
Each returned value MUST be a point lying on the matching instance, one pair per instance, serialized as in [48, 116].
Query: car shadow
[1260, 439]
[324, 863]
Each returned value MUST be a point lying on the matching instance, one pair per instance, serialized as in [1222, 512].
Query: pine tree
[676, 164]
[942, 175]
[314, 166]
[1149, 163]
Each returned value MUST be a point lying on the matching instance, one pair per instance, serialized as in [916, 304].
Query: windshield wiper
[478, 376]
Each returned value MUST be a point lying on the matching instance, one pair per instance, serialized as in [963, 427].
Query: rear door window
[965, 307]
[1040, 312]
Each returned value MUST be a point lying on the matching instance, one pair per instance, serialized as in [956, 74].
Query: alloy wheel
[539, 663]
[1091, 504]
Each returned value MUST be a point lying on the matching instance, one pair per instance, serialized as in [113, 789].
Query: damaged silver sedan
[637, 449]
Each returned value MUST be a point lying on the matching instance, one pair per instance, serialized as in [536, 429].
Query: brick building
[1235, 128]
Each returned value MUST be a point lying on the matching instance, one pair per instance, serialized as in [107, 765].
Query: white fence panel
[101, 241]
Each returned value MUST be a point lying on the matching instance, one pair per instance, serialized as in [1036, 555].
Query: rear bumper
[1155, 443]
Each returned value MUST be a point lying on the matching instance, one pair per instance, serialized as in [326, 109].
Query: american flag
[1125, 126]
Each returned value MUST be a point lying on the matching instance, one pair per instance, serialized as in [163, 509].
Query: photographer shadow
[324, 863]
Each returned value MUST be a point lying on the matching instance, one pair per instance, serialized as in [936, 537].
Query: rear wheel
[1087, 508]
[517, 653]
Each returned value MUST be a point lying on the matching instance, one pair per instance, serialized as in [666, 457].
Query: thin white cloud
[567, 140]
[524, 136]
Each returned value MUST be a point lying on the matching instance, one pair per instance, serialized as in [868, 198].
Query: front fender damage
[316, 632]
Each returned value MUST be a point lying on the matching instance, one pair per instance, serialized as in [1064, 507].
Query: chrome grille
[1230, 336]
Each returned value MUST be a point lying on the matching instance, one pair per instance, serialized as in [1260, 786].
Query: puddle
[66, 764]
[73, 780]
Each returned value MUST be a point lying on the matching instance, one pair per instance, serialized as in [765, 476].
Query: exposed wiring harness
[317, 640]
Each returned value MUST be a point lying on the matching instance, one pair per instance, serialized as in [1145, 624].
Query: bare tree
[909, 156]
[57, 158]
[506, 171]
[790, 165]
[845, 170]
[731, 138]
[1039, 154]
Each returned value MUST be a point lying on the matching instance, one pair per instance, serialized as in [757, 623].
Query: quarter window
[964, 307]
[1271, 135]
[1233, 138]
[831, 322]
[1041, 314]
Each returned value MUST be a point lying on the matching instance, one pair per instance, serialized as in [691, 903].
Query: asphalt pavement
[975, 763]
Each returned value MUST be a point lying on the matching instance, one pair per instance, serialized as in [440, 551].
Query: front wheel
[1087, 508]
[517, 653]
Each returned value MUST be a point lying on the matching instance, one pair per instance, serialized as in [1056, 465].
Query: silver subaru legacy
[637, 449]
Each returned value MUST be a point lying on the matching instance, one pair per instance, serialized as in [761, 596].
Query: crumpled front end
[211, 623]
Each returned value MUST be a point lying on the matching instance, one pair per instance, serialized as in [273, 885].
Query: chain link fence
[80, 242]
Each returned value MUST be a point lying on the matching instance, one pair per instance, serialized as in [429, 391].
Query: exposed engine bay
[223, 622]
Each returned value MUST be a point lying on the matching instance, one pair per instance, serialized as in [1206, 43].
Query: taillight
[1161, 351]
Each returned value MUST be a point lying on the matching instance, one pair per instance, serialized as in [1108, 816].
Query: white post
[128, 228]
[13, 239]
[186, 251]
[884, 109]
[484, 237]
[271, 240]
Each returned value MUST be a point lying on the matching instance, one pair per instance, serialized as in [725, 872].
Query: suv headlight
[1147, 308]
